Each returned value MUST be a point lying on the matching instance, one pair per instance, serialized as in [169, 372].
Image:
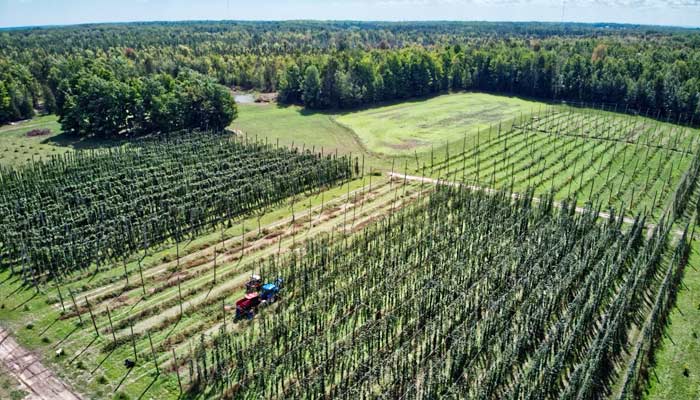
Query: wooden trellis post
[92, 316]
[153, 351]
[75, 305]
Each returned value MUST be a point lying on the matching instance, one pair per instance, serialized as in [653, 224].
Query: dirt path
[26, 367]
[580, 210]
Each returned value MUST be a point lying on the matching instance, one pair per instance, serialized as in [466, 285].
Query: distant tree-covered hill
[652, 70]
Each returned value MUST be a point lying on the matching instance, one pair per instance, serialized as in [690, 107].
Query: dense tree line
[652, 70]
[659, 83]
[19, 92]
[92, 104]
[283, 37]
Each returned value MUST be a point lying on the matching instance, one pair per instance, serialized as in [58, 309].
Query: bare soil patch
[28, 370]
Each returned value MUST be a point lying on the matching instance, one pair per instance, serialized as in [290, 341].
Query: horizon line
[552, 22]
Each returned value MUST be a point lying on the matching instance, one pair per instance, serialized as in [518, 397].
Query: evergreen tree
[312, 87]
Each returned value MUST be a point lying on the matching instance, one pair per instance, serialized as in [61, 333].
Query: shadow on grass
[128, 371]
[11, 278]
[209, 291]
[135, 304]
[103, 361]
[84, 350]
[83, 143]
[17, 289]
[174, 326]
[337, 110]
[67, 336]
[48, 327]
[25, 302]
[149, 386]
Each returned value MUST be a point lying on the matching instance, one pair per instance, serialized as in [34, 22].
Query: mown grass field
[292, 125]
[415, 126]
[17, 148]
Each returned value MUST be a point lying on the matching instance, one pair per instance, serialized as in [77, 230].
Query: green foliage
[312, 87]
[652, 70]
[447, 298]
[138, 196]
[18, 92]
[103, 107]
[290, 87]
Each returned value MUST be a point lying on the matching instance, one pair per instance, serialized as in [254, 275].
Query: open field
[413, 126]
[294, 126]
[393, 131]
[17, 148]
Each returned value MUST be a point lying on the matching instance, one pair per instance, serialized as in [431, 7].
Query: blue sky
[49, 12]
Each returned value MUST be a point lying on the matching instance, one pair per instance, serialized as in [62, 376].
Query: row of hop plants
[523, 156]
[455, 296]
[96, 208]
[652, 331]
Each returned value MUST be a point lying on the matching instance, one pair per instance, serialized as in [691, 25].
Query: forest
[651, 71]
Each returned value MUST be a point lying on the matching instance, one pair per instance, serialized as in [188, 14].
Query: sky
[62, 12]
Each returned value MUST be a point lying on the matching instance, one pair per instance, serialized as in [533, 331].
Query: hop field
[82, 209]
[171, 294]
[543, 265]
[465, 295]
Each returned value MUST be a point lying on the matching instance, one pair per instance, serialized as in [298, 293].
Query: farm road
[604, 215]
[26, 367]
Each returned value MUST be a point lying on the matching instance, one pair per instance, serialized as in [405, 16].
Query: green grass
[17, 148]
[681, 345]
[414, 126]
[293, 125]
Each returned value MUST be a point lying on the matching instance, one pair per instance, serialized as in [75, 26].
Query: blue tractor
[269, 293]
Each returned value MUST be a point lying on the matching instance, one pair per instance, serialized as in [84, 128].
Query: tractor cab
[269, 292]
